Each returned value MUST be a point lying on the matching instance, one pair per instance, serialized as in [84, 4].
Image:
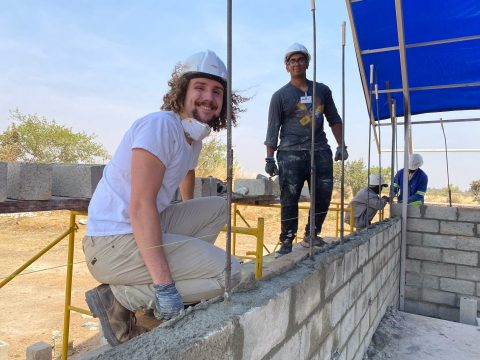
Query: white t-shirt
[161, 134]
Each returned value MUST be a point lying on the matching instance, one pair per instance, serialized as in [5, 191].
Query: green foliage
[31, 138]
[475, 190]
[213, 159]
[356, 175]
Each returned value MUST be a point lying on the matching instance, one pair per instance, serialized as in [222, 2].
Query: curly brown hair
[174, 99]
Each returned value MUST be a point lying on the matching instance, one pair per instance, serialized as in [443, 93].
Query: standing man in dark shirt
[290, 119]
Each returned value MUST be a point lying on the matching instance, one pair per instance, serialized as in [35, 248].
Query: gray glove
[271, 166]
[168, 301]
[338, 154]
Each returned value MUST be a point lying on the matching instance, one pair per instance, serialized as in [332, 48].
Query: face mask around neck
[194, 129]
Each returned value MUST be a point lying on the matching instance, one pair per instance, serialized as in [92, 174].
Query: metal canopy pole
[313, 171]
[407, 145]
[394, 135]
[228, 260]
[342, 183]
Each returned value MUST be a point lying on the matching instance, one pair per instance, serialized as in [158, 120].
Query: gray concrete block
[289, 350]
[4, 347]
[372, 250]
[29, 181]
[351, 263]
[468, 273]
[448, 313]
[277, 308]
[333, 276]
[355, 288]
[307, 296]
[3, 181]
[413, 265]
[457, 286]
[367, 274]
[468, 243]
[438, 269]
[413, 211]
[39, 351]
[423, 253]
[353, 344]
[339, 306]
[255, 187]
[347, 324]
[421, 225]
[413, 279]
[469, 215]
[441, 213]
[412, 292]
[421, 308]
[414, 238]
[430, 281]
[363, 253]
[75, 180]
[468, 311]
[457, 228]
[205, 186]
[440, 241]
[460, 257]
[438, 297]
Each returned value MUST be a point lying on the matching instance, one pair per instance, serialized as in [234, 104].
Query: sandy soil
[33, 302]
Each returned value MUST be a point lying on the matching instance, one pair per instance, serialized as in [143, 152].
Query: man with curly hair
[147, 252]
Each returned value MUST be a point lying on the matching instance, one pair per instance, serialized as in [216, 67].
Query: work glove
[168, 301]
[338, 153]
[271, 166]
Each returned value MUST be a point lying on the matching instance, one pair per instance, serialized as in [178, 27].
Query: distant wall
[443, 252]
[328, 308]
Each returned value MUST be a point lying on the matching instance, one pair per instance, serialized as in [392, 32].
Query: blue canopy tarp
[442, 50]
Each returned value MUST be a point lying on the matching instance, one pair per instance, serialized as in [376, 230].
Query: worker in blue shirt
[417, 181]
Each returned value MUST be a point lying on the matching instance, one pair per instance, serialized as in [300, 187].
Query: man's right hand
[167, 300]
[271, 166]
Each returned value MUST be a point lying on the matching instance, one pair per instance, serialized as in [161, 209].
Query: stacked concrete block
[254, 187]
[29, 181]
[39, 351]
[320, 311]
[443, 259]
[76, 180]
[3, 181]
[205, 186]
[4, 350]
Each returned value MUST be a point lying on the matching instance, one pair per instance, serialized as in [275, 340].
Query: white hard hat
[415, 161]
[205, 64]
[296, 48]
[376, 179]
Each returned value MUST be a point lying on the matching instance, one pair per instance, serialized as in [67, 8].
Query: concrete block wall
[328, 308]
[3, 181]
[255, 187]
[75, 180]
[443, 259]
[29, 181]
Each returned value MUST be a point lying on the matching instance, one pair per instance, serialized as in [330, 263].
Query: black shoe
[317, 241]
[285, 248]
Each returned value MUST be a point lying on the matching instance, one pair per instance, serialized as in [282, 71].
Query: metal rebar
[313, 231]
[342, 179]
[446, 159]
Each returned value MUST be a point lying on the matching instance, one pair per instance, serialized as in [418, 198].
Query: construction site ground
[33, 302]
[404, 336]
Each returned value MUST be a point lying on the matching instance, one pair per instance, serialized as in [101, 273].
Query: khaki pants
[189, 231]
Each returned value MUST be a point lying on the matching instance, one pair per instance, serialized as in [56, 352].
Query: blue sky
[96, 66]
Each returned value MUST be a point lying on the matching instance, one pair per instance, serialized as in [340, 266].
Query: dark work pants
[294, 169]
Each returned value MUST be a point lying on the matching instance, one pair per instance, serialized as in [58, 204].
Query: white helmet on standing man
[415, 161]
[205, 64]
[294, 49]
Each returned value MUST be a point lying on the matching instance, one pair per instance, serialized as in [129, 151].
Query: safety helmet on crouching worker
[205, 64]
[376, 179]
[296, 48]
[415, 161]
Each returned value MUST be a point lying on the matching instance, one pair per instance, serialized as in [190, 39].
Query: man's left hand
[338, 154]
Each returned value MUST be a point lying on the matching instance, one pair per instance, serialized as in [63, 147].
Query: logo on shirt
[304, 112]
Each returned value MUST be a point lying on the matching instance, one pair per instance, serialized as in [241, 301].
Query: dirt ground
[33, 302]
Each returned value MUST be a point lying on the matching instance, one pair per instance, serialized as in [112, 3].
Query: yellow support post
[259, 255]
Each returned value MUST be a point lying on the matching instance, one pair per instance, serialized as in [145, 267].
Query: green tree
[32, 138]
[355, 175]
[213, 159]
[475, 189]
